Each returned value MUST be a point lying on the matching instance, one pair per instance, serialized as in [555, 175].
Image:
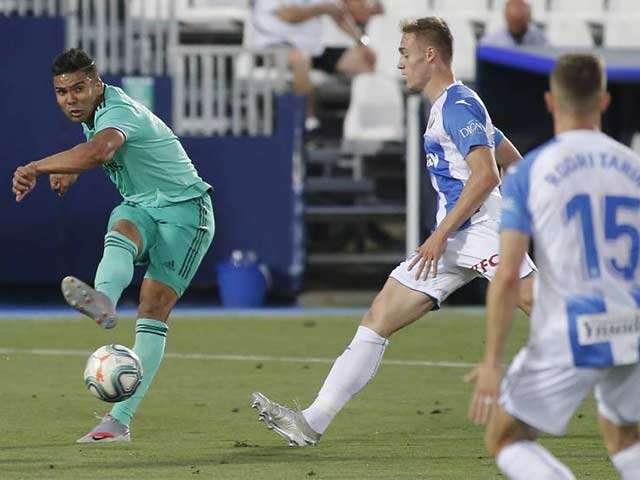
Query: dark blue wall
[46, 237]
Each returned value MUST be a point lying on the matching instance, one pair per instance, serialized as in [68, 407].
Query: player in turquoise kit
[165, 220]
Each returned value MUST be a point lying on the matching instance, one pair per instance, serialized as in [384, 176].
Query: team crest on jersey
[432, 160]
[112, 166]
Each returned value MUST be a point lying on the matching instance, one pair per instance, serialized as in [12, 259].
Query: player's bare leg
[623, 445]
[518, 455]
[395, 307]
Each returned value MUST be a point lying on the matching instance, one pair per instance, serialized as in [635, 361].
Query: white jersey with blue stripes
[578, 196]
[458, 122]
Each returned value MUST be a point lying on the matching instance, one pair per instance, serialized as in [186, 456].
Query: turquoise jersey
[150, 169]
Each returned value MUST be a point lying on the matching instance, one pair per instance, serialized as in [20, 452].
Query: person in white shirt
[462, 148]
[578, 198]
[297, 24]
[519, 31]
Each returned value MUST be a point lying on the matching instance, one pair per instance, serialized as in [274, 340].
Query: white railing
[216, 89]
[123, 36]
[226, 90]
[130, 36]
[414, 173]
[37, 8]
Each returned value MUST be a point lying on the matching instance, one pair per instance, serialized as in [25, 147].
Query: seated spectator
[297, 24]
[519, 30]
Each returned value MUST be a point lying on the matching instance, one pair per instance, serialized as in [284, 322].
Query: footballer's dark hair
[435, 32]
[74, 60]
[578, 81]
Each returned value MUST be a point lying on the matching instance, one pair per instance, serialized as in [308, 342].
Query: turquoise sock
[151, 336]
[115, 270]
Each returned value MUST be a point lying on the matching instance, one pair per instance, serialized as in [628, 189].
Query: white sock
[525, 460]
[627, 462]
[350, 373]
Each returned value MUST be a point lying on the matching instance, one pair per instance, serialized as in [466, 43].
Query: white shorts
[469, 254]
[547, 398]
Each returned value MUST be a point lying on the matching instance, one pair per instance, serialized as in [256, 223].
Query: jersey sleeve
[498, 136]
[515, 193]
[465, 120]
[121, 117]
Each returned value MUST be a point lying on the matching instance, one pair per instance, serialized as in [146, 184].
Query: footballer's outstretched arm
[81, 158]
[483, 179]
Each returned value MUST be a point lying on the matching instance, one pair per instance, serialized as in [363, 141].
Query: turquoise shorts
[175, 238]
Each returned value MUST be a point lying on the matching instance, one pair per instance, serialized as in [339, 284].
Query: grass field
[409, 423]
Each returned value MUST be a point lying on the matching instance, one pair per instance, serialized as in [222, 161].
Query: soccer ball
[113, 373]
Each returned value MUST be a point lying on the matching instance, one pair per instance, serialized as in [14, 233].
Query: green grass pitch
[409, 423]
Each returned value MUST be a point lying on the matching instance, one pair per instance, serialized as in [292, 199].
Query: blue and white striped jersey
[458, 121]
[578, 196]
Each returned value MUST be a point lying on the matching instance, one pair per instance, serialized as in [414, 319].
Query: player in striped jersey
[461, 146]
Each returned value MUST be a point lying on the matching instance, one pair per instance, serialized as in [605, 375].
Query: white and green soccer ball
[113, 373]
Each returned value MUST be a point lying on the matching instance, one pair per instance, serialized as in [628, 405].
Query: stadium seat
[464, 48]
[624, 6]
[407, 8]
[375, 118]
[385, 35]
[621, 31]
[470, 9]
[495, 21]
[591, 9]
[569, 31]
[334, 36]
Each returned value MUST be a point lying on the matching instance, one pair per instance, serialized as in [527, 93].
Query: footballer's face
[78, 94]
[414, 62]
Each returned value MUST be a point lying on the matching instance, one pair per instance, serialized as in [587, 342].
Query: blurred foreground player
[578, 197]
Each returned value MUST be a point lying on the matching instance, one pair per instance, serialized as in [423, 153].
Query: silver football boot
[109, 430]
[89, 302]
[288, 423]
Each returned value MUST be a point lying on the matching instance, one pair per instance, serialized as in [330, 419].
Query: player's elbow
[100, 152]
[490, 179]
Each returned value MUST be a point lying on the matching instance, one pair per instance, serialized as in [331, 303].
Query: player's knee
[492, 443]
[376, 320]
[157, 306]
[156, 310]
[129, 230]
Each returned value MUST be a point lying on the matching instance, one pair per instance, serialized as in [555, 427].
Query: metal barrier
[224, 89]
[216, 89]
[123, 36]
[36, 8]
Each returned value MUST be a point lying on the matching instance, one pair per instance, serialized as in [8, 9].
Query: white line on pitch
[239, 358]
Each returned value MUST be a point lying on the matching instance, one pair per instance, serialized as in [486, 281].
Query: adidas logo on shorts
[170, 265]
